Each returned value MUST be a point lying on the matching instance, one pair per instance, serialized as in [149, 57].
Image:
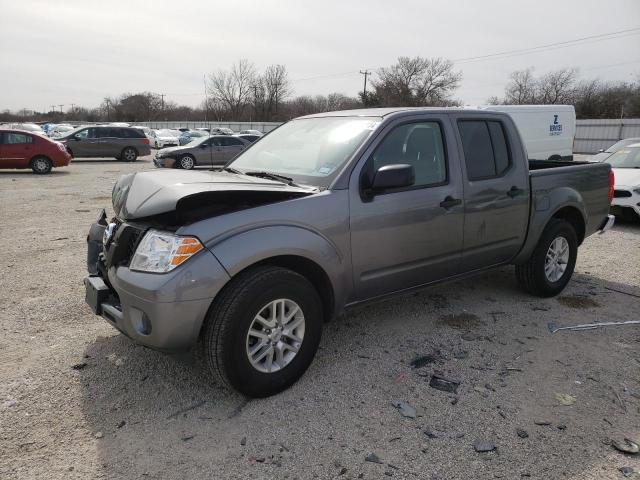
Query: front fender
[239, 251]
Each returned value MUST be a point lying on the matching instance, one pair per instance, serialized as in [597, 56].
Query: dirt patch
[575, 301]
[461, 320]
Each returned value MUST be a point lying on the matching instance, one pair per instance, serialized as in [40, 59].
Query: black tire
[41, 165]
[186, 162]
[222, 347]
[129, 154]
[532, 276]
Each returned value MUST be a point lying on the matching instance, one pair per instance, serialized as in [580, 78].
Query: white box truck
[547, 130]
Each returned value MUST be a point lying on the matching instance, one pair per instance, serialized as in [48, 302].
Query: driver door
[409, 236]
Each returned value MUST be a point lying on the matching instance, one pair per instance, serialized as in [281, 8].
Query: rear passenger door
[496, 190]
[231, 146]
[16, 150]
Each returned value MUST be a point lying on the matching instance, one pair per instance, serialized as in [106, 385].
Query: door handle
[514, 191]
[449, 202]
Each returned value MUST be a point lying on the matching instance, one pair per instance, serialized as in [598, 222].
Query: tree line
[243, 93]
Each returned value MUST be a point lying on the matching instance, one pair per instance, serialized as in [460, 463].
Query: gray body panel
[366, 247]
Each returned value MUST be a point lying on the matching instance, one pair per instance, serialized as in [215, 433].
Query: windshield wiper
[271, 176]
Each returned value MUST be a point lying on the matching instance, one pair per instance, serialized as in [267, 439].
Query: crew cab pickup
[245, 264]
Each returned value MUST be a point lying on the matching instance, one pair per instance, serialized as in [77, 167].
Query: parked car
[245, 264]
[547, 130]
[604, 154]
[21, 149]
[208, 150]
[221, 131]
[626, 168]
[190, 136]
[60, 130]
[257, 133]
[27, 127]
[248, 137]
[165, 138]
[122, 143]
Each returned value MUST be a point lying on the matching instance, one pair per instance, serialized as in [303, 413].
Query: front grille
[621, 194]
[123, 245]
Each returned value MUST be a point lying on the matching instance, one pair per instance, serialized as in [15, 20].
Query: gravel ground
[128, 412]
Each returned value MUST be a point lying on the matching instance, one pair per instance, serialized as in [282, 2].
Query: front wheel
[41, 165]
[187, 162]
[263, 331]
[551, 265]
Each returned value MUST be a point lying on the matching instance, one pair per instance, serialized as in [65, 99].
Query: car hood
[626, 177]
[147, 194]
[170, 149]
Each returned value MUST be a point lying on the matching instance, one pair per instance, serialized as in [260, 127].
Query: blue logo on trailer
[556, 127]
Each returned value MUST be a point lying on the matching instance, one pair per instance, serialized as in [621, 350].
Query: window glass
[231, 142]
[500, 149]
[478, 152]
[416, 144]
[17, 138]
[217, 141]
[83, 133]
[95, 133]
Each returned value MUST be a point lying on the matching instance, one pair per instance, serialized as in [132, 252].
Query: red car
[21, 149]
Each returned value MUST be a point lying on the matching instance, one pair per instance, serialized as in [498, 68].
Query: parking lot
[78, 400]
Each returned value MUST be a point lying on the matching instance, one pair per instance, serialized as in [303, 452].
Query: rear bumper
[632, 202]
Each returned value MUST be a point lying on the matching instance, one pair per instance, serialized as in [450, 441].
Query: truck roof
[383, 112]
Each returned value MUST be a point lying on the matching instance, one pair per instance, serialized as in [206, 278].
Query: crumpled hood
[626, 177]
[170, 149]
[144, 194]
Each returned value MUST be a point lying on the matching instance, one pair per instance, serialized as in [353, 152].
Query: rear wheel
[263, 331]
[187, 162]
[129, 154]
[41, 165]
[551, 265]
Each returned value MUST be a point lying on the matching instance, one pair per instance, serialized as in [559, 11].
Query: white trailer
[547, 130]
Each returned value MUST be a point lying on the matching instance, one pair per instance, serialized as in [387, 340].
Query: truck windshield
[308, 150]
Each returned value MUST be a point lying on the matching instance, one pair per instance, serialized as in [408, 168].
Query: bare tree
[277, 88]
[416, 81]
[233, 88]
[521, 89]
[557, 87]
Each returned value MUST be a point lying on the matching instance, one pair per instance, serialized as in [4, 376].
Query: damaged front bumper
[161, 311]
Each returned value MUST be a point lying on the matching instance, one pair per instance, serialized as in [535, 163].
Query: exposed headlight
[161, 252]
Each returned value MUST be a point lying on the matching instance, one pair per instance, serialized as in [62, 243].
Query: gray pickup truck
[246, 263]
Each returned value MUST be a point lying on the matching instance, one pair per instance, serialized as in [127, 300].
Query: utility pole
[206, 99]
[162, 95]
[73, 107]
[366, 73]
[61, 107]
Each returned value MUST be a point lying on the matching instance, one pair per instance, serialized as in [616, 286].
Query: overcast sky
[63, 52]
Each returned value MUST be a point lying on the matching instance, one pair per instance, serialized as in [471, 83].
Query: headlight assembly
[161, 252]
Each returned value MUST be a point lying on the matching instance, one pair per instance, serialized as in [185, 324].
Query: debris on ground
[429, 434]
[444, 384]
[79, 366]
[543, 423]
[243, 441]
[565, 399]
[423, 360]
[405, 409]
[373, 458]
[627, 471]
[121, 424]
[99, 435]
[482, 446]
[522, 433]
[553, 327]
[625, 446]
[186, 438]
[461, 320]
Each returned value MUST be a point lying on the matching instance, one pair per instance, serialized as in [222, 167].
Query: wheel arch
[574, 216]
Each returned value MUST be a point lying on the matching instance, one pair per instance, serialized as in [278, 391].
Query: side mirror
[204, 145]
[76, 137]
[393, 176]
[601, 150]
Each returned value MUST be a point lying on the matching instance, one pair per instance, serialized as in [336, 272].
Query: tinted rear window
[486, 152]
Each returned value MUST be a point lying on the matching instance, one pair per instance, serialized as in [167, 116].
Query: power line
[566, 43]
